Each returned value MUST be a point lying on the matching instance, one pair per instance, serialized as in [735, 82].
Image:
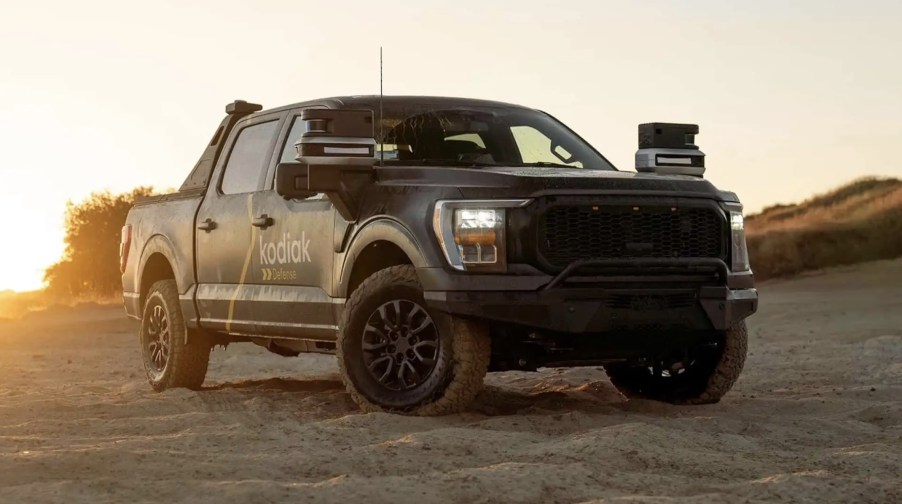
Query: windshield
[484, 136]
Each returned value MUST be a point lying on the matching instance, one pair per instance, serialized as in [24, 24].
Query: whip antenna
[381, 136]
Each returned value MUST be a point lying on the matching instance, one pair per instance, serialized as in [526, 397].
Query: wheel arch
[379, 244]
[158, 262]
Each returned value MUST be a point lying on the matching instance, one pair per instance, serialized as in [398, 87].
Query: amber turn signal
[475, 236]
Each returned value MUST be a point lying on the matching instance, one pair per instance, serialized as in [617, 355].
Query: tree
[90, 264]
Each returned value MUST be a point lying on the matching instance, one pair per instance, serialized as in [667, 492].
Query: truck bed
[162, 228]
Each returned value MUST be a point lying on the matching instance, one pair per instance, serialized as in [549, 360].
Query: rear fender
[159, 244]
[183, 276]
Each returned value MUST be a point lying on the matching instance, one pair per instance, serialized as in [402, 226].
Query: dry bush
[90, 264]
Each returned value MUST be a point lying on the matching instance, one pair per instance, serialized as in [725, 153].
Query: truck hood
[509, 182]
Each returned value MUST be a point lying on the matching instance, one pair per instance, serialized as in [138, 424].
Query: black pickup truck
[426, 241]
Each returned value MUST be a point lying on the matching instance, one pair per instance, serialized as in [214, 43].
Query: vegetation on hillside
[860, 221]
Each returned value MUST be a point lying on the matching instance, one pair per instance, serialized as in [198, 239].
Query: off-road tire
[708, 386]
[458, 375]
[186, 365]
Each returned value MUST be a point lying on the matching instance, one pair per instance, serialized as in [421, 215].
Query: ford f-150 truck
[426, 241]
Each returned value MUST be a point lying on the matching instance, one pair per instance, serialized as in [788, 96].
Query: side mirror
[291, 181]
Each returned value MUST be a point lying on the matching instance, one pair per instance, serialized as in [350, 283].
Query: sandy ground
[816, 417]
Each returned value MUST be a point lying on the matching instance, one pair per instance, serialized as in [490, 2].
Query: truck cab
[426, 241]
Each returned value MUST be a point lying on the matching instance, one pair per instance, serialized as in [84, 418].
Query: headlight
[740, 253]
[472, 233]
[477, 233]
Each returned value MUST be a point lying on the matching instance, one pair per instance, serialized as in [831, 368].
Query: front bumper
[653, 298]
[595, 311]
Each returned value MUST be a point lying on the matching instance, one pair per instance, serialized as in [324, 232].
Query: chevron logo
[267, 274]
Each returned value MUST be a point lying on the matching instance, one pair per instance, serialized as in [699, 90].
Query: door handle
[207, 225]
[264, 221]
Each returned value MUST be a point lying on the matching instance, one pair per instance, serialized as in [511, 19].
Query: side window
[298, 127]
[535, 147]
[248, 158]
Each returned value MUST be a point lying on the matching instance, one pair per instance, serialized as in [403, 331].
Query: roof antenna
[381, 137]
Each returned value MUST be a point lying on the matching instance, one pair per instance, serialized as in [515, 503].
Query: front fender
[375, 230]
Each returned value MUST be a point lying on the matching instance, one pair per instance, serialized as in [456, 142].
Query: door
[293, 256]
[226, 235]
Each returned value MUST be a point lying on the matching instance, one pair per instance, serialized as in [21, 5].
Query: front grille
[571, 233]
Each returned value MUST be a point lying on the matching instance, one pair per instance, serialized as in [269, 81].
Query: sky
[792, 97]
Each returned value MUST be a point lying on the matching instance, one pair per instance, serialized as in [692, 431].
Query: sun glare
[32, 209]
[37, 244]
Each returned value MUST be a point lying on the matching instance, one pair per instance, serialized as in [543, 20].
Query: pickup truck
[426, 241]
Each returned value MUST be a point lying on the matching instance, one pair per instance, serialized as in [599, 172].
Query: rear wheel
[169, 360]
[700, 375]
[396, 355]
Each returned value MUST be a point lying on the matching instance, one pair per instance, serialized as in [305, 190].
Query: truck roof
[391, 105]
[372, 101]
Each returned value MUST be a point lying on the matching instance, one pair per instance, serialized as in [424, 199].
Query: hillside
[860, 221]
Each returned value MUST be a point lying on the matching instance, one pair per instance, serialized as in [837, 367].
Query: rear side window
[248, 159]
[289, 152]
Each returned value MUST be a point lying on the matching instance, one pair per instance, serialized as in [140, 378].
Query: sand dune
[816, 417]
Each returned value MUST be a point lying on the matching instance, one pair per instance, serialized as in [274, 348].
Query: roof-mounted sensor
[669, 149]
[343, 137]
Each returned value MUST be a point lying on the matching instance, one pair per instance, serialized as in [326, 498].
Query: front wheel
[396, 355]
[699, 375]
[171, 360]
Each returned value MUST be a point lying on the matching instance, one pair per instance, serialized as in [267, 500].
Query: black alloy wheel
[397, 355]
[157, 338]
[173, 355]
[400, 345]
[701, 374]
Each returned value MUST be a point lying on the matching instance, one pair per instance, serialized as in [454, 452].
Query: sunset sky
[792, 97]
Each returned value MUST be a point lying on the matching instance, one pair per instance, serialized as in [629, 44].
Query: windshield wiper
[438, 162]
[546, 164]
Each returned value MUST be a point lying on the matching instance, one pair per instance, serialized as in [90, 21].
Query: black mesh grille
[570, 233]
